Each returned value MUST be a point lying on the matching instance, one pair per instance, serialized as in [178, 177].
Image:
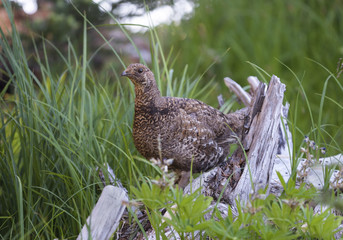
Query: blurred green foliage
[62, 20]
[281, 37]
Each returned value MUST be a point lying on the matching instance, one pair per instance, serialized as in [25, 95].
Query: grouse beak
[124, 74]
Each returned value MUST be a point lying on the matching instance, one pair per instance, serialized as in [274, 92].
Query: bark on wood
[238, 90]
[262, 142]
[105, 216]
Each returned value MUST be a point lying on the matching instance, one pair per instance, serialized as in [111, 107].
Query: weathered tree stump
[261, 143]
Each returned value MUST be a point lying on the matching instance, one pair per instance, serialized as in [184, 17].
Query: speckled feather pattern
[178, 128]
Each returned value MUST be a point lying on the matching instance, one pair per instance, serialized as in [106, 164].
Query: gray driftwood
[106, 215]
[262, 144]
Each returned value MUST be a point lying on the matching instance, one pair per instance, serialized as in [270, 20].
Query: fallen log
[105, 216]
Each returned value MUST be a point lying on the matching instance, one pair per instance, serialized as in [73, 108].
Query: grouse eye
[140, 70]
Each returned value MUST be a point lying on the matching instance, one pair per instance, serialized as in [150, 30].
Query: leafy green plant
[185, 213]
[289, 216]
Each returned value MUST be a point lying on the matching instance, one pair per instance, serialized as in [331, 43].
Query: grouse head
[141, 76]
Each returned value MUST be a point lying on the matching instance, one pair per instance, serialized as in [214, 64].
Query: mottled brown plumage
[178, 128]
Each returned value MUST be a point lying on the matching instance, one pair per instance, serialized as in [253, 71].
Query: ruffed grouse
[182, 129]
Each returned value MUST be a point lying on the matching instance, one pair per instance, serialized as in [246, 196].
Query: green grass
[58, 129]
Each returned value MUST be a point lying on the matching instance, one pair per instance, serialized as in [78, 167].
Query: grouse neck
[147, 96]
